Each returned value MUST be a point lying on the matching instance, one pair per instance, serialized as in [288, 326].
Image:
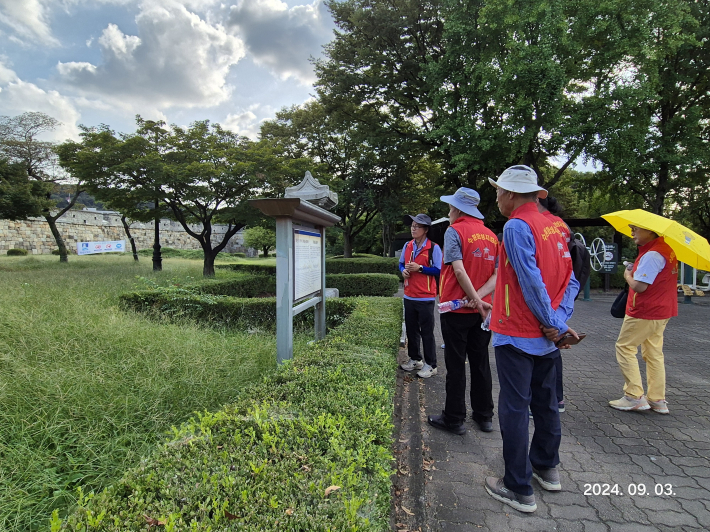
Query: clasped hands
[554, 335]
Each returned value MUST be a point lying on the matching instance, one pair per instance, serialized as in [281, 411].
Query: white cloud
[17, 97]
[177, 59]
[244, 123]
[120, 45]
[28, 19]
[281, 38]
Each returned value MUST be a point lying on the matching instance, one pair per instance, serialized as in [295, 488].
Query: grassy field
[86, 389]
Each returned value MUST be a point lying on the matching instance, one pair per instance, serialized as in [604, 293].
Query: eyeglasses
[415, 227]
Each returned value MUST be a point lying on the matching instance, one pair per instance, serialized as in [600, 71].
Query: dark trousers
[527, 381]
[464, 338]
[558, 379]
[419, 321]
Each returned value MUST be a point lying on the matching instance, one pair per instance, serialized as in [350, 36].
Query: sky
[95, 62]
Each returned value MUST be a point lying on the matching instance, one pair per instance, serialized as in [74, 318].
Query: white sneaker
[627, 403]
[427, 371]
[411, 365]
[659, 406]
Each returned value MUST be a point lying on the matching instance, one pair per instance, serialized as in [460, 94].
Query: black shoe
[485, 426]
[439, 423]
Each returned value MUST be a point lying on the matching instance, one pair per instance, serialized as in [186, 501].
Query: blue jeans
[527, 381]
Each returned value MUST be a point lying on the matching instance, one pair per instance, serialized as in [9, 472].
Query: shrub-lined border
[348, 285]
[309, 448]
[387, 265]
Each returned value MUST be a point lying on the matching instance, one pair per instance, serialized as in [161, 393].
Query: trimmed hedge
[16, 252]
[334, 265]
[364, 265]
[224, 311]
[256, 268]
[363, 284]
[348, 285]
[309, 448]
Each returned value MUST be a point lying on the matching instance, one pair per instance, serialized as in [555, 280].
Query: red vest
[479, 248]
[419, 285]
[511, 315]
[660, 300]
[560, 224]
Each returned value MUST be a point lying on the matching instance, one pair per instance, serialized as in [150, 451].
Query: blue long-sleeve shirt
[520, 247]
[434, 269]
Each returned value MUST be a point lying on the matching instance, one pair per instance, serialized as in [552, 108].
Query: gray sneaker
[497, 490]
[411, 365]
[659, 406]
[627, 403]
[426, 372]
[549, 479]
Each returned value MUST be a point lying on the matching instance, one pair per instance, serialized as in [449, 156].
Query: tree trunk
[52, 221]
[130, 238]
[347, 243]
[208, 265]
[157, 257]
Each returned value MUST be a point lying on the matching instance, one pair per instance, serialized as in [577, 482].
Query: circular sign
[608, 256]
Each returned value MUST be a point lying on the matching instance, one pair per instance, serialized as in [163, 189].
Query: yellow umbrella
[689, 246]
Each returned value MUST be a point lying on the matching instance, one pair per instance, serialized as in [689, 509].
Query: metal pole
[320, 307]
[687, 276]
[587, 286]
[284, 289]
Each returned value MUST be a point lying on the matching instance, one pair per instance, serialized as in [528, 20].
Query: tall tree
[365, 164]
[656, 141]
[21, 198]
[19, 143]
[484, 85]
[125, 172]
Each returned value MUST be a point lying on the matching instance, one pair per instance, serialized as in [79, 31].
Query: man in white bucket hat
[535, 293]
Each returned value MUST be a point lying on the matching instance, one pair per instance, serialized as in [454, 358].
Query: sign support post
[300, 256]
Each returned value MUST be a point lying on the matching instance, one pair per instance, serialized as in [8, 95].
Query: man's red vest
[511, 315]
[560, 224]
[419, 285]
[479, 248]
[660, 300]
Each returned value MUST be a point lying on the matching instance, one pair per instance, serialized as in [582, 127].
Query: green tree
[367, 165]
[483, 85]
[19, 144]
[260, 238]
[125, 172]
[21, 198]
[655, 141]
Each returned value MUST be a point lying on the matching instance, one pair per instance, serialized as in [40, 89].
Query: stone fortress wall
[90, 225]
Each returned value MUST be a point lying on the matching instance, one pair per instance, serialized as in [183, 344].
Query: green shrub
[257, 268]
[70, 251]
[243, 286]
[171, 253]
[309, 448]
[334, 265]
[596, 279]
[348, 285]
[363, 284]
[363, 265]
[15, 252]
[223, 311]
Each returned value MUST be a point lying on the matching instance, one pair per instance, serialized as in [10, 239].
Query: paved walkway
[441, 475]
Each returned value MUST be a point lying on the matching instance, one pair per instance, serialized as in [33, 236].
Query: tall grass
[86, 390]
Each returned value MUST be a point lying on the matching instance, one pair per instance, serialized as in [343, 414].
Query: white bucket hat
[521, 179]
